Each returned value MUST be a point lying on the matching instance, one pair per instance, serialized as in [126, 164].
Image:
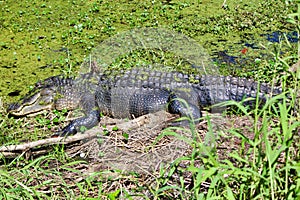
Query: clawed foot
[66, 131]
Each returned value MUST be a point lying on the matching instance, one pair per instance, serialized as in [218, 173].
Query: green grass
[263, 161]
[265, 166]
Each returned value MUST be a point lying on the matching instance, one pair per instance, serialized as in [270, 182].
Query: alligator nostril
[13, 106]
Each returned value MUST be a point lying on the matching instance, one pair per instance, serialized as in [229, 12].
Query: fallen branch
[49, 141]
[94, 132]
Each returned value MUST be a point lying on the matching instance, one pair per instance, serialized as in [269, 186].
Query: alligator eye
[46, 101]
[47, 92]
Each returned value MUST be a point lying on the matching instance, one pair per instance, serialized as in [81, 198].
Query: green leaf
[113, 195]
[126, 136]
[229, 193]
[115, 128]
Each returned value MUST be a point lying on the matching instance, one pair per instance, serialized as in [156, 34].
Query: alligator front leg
[89, 121]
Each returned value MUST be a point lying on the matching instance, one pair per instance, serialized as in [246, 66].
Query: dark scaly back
[142, 90]
[203, 89]
[216, 89]
[58, 81]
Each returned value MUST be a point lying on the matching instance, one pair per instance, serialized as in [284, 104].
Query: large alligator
[134, 93]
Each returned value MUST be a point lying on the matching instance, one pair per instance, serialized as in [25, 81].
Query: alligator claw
[66, 131]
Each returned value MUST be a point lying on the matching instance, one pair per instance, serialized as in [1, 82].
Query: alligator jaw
[31, 106]
[31, 110]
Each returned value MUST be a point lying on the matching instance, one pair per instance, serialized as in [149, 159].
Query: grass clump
[260, 162]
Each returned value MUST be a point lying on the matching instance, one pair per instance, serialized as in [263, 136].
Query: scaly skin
[135, 93]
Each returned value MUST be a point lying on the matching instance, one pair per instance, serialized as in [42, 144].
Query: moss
[33, 32]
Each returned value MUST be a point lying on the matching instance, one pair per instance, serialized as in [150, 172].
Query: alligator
[134, 93]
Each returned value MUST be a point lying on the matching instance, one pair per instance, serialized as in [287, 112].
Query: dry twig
[16, 149]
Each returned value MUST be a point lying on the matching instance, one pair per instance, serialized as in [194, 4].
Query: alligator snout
[13, 106]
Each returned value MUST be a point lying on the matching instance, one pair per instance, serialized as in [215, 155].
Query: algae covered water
[42, 39]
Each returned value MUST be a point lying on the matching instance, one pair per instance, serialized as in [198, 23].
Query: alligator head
[34, 103]
[52, 93]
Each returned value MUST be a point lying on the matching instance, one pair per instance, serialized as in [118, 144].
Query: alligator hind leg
[184, 109]
[152, 100]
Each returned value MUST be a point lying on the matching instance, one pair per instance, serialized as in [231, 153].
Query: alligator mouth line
[30, 107]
